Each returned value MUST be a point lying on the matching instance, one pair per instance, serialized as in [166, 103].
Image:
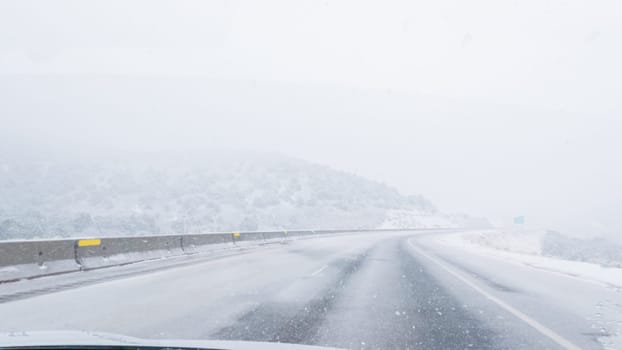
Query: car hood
[93, 339]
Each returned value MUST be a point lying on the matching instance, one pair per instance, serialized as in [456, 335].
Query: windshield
[348, 174]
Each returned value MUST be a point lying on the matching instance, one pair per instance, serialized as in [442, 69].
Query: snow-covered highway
[367, 291]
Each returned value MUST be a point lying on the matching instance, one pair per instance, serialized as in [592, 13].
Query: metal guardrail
[36, 258]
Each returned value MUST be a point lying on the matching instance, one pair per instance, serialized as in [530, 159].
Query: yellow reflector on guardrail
[89, 242]
[236, 234]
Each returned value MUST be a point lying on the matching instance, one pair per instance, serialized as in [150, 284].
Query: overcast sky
[494, 108]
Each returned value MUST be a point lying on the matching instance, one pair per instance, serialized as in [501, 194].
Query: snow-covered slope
[525, 248]
[405, 218]
[193, 192]
[605, 252]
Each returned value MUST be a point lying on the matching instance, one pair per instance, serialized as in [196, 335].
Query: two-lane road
[368, 291]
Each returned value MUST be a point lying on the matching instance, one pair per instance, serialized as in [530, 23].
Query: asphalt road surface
[360, 291]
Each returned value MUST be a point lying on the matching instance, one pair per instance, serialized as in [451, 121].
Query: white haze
[493, 108]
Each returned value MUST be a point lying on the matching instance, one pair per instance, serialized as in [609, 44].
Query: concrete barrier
[274, 236]
[28, 259]
[247, 238]
[302, 234]
[206, 242]
[124, 250]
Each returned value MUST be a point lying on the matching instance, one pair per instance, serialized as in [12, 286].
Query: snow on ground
[612, 342]
[404, 218]
[523, 248]
[603, 251]
[528, 242]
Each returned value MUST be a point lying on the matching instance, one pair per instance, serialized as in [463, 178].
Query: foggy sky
[493, 108]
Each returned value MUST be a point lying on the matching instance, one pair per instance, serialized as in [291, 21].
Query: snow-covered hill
[193, 192]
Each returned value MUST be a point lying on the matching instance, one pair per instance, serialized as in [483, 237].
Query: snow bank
[523, 248]
[528, 242]
[597, 250]
[400, 218]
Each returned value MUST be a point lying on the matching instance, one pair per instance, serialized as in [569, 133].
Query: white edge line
[563, 342]
[319, 271]
[515, 261]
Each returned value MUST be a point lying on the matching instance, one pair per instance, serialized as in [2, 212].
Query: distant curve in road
[364, 291]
